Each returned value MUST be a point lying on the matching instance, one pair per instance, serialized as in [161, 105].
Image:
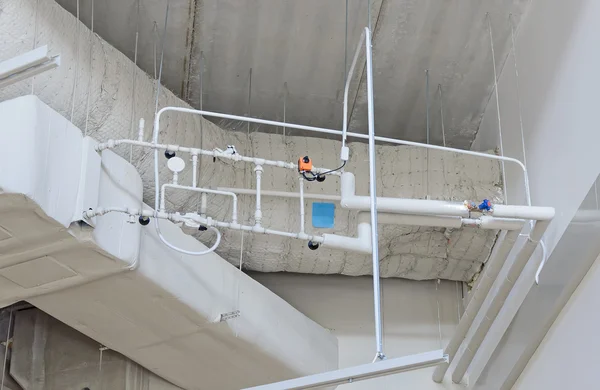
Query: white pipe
[412, 220]
[111, 144]
[373, 198]
[301, 184]
[495, 223]
[141, 130]
[281, 194]
[194, 170]
[203, 204]
[338, 132]
[498, 300]
[156, 204]
[479, 293]
[204, 191]
[258, 213]
[360, 244]
[209, 222]
[432, 207]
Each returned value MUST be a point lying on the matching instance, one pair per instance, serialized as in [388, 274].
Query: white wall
[345, 305]
[567, 358]
[557, 77]
[558, 80]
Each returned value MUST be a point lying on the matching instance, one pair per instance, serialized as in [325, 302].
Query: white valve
[230, 150]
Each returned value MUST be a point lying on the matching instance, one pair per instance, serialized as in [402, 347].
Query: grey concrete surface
[49, 355]
[304, 44]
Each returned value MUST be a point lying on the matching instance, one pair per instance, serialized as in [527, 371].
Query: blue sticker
[323, 215]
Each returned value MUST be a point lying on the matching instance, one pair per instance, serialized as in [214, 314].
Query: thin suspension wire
[89, 92]
[239, 281]
[346, 46]
[154, 36]
[10, 316]
[35, 29]
[249, 101]
[199, 197]
[514, 52]
[442, 115]
[162, 56]
[458, 299]
[76, 65]
[497, 106]
[428, 128]
[201, 78]
[100, 360]
[285, 95]
[437, 301]
[133, 78]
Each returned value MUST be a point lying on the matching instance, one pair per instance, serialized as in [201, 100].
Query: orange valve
[304, 164]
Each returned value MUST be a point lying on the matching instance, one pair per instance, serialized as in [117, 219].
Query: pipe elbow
[360, 244]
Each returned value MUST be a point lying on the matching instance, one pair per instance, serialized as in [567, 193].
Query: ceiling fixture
[26, 65]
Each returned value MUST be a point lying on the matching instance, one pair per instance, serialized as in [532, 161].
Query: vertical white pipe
[203, 204]
[175, 177]
[258, 213]
[373, 194]
[141, 130]
[301, 184]
[194, 170]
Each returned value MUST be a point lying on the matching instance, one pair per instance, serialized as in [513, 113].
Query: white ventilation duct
[105, 98]
[195, 321]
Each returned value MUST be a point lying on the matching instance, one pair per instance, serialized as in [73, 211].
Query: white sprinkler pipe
[203, 191]
[258, 212]
[480, 292]
[112, 143]
[141, 130]
[194, 170]
[432, 207]
[156, 210]
[498, 300]
[329, 131]
[281, 194]
[301, 184]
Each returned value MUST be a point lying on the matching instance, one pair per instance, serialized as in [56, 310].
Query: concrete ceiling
[238, 56]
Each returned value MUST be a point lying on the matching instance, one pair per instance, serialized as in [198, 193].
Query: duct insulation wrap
[105, 98]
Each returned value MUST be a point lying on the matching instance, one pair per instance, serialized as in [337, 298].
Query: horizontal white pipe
[412, 220]
[484, 222]
[281, 194]
[201, 190]
[209, 222]
[431, 207]
[111, 144]
[479, 293]
[361, 244]
[498, 300]
[535, 213]
[338, 132]
[496, 223]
